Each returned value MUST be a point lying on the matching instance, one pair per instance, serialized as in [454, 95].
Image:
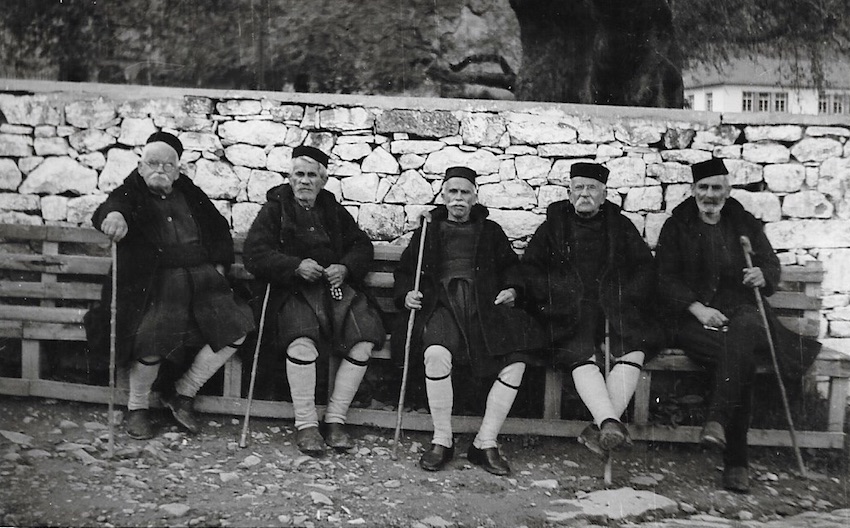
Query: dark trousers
[731, 356]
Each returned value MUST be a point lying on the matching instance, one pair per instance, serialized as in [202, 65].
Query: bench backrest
[50, 275]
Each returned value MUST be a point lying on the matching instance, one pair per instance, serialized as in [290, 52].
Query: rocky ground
[54, 471]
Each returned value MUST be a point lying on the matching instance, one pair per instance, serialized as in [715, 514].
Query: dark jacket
[140, 254]
[627, 282]
[504, 329]
[685, 275]
[272, 252]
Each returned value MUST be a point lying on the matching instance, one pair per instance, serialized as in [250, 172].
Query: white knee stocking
[590, 385]
[301, 356]
[438, 387]
[205, 365]
[142, 377]
[499, 402]
[347, 381]
[623, 379]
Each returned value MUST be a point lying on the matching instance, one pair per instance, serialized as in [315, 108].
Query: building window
[823, 103]
[764, 102]
[837, 104]
[709, 102]
[747, 102]
[833, 103]
[689, 102]
[780, 102]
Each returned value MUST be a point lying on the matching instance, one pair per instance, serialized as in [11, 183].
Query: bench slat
[54, 331]
[42, 314]
[794, 301]
[71, 264]
[53, 234]
[50, 290]
[811, 272]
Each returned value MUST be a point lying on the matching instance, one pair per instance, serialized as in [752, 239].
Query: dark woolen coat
[685, 275]
[505, 330]
[140, 253]
[627, 282]
[272, 252]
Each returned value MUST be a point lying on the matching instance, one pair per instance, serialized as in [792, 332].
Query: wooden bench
[50, 275]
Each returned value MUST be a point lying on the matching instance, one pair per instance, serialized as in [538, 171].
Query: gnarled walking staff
[407, 340]
[243, 440]
[112, 338]
[748, 251]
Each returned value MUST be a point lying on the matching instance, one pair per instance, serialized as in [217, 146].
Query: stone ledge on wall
[63, 146]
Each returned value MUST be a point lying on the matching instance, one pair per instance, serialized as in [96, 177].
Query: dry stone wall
[64, 146]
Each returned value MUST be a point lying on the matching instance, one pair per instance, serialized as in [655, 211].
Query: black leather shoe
[713, 435]
[612, 434]
[736, 479]
[139, 424]
[490, 459]
[309, 441]
[589, 438]
[182, 409]
[436, 458]
[336, 437]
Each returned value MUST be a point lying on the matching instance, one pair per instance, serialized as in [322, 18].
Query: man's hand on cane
[754, 278]
[114, 226]
[413, 300]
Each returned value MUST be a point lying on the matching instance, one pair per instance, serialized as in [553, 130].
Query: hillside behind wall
[63, 146]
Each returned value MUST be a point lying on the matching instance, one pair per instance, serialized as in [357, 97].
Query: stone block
[527, 129]
[10, 174]
[787, 133]
[81, 208]
[323, 141]
[279, 159]
[795, 234]
[730, 152]
[639, 132]
[676, 194]
[560, 172]
[381, 221]
[52, 146]
[762, 205]
[119, 164]
[595, 131]
[185, 123]
[549, 194]
[567, 150]
[30, 110]
[816, 149]
[717, 136]
[239, 107]
[522, 150]
[99, 113]
[422, 123]
[352, 151]
[136, 131]
[216, 179]
[361, 188]
[643, 199]
[807, 204]
[653, 223]
[246, 156]
[93, 160]
[517, 224]
[836, 265]
[839, 329]
[744, 172]
[380, 161]
[15, 145]
[532, 167]
[626, 172]
[346, 119]
[636, 219]
[90, 140]
[785, 177]
[832, 131]
[288, 113]
[54, 208]
[18, 218]
[413, 216]
[343, 169]
[669, 172]
[481, 161]
[482, 129]
[415, 146]
[678, 138]
[242, 215]
[411, 161]
[834, 177]
[510, 194]
[410, 188]
[606, 152]
[19, 202]
[829, 302]
[765, 152]
[201, 142]
[56, 175]
[259, 133]
[260, 182]
[687, 156]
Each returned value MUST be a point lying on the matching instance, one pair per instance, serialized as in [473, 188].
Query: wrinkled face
[459, 195]
[711, 194]
[159, 167]
[587, 195]
[308, 177]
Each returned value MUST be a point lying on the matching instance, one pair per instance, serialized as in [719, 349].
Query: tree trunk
[616, 52]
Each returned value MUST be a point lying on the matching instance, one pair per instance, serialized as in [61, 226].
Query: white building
[767, 85]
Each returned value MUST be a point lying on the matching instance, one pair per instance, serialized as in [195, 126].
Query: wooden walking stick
[606, 352]
[243, 440]
[408, 337]
[112, 338]
[748, 251]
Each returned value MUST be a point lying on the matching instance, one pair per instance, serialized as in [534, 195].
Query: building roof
[766, 71]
